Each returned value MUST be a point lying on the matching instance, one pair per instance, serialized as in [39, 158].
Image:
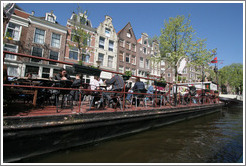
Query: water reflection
[215, 138]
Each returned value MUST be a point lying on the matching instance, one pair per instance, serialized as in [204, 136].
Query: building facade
[143, 56]
[87, 52]
[15, 33]
[127, 50]
[106, 47]
[37, 36]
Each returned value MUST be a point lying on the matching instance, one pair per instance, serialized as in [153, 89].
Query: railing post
[124, 95]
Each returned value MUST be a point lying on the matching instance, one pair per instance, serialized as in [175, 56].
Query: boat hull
[25, 137]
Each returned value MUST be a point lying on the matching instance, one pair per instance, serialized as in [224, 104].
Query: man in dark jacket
[117, 85]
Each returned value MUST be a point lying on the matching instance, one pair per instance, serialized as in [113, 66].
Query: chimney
[33, 13]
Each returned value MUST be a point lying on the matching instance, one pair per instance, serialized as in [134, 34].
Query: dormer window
[50, 17]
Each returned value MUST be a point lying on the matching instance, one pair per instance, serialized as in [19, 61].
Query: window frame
[73, 50]
[34, 36]
[20, 30]
[52, 40]
[14, 56]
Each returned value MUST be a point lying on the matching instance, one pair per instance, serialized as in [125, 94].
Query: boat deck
[24, 110]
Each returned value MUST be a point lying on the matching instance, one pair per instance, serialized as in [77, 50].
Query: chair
[140, 97]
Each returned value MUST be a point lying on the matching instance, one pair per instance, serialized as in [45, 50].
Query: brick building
[127, 50]
[72, 53]
[37, 36]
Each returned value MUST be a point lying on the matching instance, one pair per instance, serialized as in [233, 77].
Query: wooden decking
[28, 110]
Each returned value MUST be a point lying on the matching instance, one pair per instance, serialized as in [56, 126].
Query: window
[88, 40]
[11, 48]
[54, 56]
[101, 42]
[36, 52]
[111, 45]
[110, 61]
[39, 36]
[100, 58]
[55, 41]
[133, 72]
[107, 32]
[128, 35]
[86, 58]
[145, 41]
[134, 47]
[12, 71]
[147, 63]
[144, 50]
[74, 37]
[162, 63]
[46, 73]
[133, 59]
[121, 43]
[184, 70]
[128, 45]
[121, 69]
[73, 53]
[127, 58]
[51, 18]
[13, 31]
[32, 69]
[169, 75]
[141, 64]
[121, 57]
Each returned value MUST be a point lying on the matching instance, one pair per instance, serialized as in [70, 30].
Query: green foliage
[128, 73]
[232, 76]
[162, 80]
[178, 39]
[92, 67]
[78, 34]
[179, 78]
[154, 38]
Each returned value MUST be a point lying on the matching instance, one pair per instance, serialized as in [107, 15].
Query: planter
[86, 70]
[161, 84]
[125, 77]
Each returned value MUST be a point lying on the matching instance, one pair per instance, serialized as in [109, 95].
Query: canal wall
[25, 137]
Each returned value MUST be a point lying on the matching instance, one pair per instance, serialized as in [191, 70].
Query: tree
[178, 40]
[231, 76]
[79, 35]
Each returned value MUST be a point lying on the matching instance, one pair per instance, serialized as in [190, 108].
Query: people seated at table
[29, 75]
[76, 84]
[95, 83]
[150, 90]
[62, 75]
[117, 85]
[138, 87]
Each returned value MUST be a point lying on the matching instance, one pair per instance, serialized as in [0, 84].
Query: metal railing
[159, 100]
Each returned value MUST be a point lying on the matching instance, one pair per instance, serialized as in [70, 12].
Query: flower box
[86, 70]
[125, 77]
[161, 84]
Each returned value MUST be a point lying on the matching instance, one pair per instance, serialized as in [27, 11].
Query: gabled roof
[125, 27]
[139, 40]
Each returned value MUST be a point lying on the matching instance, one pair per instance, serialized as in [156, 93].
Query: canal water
[214, 138]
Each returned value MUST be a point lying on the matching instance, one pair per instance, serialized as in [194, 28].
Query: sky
[220, 23]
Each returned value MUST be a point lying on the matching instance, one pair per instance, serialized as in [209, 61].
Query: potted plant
[88, 70]
[161, 83]
[127, 75]
[207, 91]
[216, 93]
[179, 79]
